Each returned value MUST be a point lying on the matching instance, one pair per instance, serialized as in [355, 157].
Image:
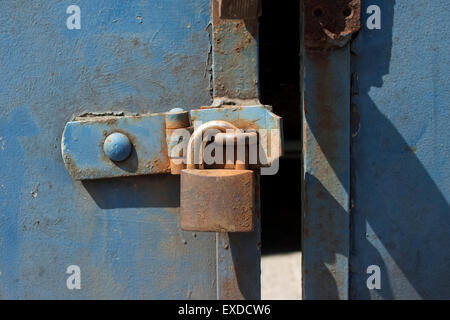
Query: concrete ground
[281, 276]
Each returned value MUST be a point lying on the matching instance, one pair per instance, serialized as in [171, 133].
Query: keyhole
[347, 12]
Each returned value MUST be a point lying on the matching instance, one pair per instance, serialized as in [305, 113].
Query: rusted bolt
[117, 146]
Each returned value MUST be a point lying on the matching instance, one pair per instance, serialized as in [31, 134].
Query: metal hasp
[85, 145]
[328, 27]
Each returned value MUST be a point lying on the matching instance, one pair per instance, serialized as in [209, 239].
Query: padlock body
[217, 200]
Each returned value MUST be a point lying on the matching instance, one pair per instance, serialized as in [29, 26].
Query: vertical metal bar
[235, 56]
[328, 28]
[326, 146]
[235, 76]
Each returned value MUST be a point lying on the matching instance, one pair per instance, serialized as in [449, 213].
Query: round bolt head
[117, 146]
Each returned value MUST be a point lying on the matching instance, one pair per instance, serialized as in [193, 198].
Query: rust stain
[239, 9]
[410, 149]
[75, 171]
[217, 200]
[229, 288]
[157, 165]
[330, 23]
[231, 38]
[245, 124]
[326, 118]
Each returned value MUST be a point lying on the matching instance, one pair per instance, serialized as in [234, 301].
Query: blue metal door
[376, 149]
[63, 59]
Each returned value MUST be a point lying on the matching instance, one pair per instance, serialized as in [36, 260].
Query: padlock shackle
[220, 125]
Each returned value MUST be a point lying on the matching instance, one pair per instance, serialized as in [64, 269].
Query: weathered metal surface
[401, 152]
[153, 136]
[84, 156]
[239, 9]
[223, 137]
[117, 146]
[326, 186]
[176, 119]
[123, 233]
[330, 23]
[217, 200]
[235, 77]
[244, 117]
[255, 117]
[235, 56]
[239, 260]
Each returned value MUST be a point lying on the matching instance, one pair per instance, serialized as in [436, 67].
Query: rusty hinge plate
[330, 23]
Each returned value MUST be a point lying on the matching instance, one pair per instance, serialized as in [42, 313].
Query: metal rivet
[117, 146]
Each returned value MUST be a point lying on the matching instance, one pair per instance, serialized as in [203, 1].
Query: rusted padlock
[216, 200]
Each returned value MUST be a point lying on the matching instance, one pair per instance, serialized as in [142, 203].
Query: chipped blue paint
[123, 233]
[84, 138]
[140, 58]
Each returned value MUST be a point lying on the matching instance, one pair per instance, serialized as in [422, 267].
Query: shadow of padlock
[216, 200]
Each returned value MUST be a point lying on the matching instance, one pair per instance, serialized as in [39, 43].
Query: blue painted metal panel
[123, 233]
[401, 152]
